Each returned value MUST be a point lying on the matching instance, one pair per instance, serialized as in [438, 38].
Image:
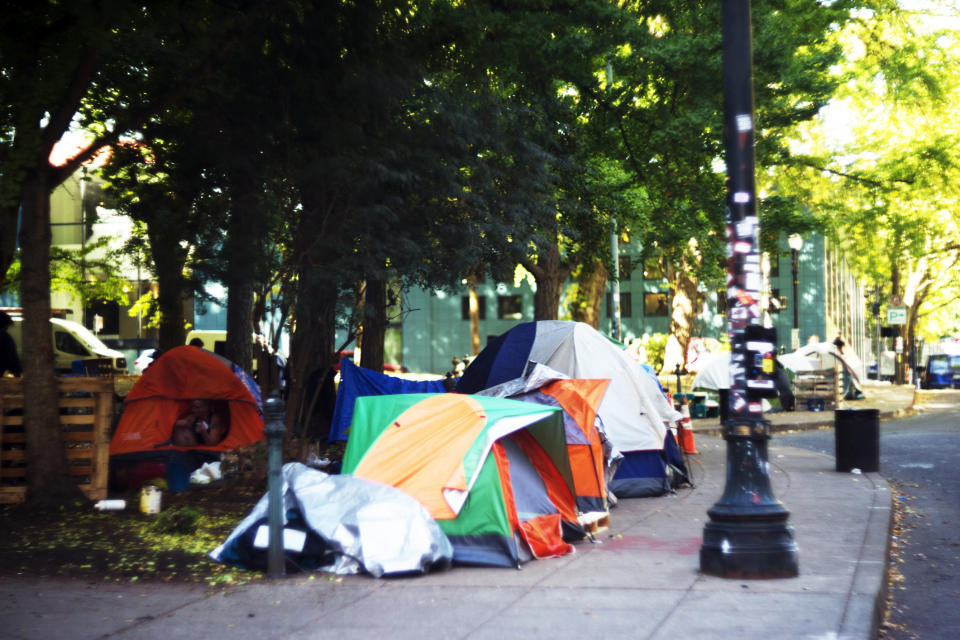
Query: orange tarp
[581, 400]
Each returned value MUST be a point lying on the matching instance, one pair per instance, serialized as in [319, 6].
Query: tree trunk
[168, 260]
[900, 369]
[374, 324]
[591, 288]
[243, 247]
[683, 310]
[311, 392]
[48, 480]
[474, 314]
[550, 272]
[239, 348]
[311, 397]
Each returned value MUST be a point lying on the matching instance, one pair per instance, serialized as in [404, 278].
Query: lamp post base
[745, 549]
[748, 535]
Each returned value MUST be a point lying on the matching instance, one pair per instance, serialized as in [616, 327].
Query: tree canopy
[312, 152]
[879, 169]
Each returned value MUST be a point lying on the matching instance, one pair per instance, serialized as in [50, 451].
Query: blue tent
[356, 381]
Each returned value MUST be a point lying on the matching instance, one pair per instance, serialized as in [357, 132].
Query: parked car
[942, 372]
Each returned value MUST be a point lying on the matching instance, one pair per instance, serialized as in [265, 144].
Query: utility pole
[747, 536]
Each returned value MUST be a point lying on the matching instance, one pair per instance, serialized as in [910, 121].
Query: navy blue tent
[356, 381]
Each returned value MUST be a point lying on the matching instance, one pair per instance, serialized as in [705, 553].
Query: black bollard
[273, 411]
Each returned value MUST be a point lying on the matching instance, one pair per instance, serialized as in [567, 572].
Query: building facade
[829, 298]
[436, 324]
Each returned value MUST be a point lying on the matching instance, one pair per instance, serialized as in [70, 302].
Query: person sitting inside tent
[202, 426]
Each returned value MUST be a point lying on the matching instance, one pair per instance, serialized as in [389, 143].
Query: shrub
[181, 520]
[654, 345]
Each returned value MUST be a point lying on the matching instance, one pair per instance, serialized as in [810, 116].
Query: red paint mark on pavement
[678, 546]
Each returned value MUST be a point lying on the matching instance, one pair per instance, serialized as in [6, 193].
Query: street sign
[896, 301]
[896, 315]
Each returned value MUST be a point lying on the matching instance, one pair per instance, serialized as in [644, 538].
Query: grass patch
[80, 542]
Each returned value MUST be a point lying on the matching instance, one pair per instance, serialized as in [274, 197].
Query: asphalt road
[919, 457]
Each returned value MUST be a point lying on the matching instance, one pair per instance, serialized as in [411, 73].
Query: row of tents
[550, 424]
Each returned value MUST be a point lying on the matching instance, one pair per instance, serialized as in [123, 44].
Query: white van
[215, 341]
[71, 342]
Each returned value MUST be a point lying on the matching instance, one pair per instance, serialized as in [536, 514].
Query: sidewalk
[891, 400]
[640, 579]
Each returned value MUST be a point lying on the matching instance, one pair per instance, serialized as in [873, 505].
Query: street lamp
[795, 241]
[748, 535]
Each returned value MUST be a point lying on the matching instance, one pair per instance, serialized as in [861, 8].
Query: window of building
[626, 267]
[655, 304]
[110, 312]
[626, 305]
[465, 307]
[510, 307]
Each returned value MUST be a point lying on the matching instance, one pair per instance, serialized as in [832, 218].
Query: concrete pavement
[640, 579]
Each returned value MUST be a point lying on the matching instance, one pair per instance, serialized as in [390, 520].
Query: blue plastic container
[178, 477]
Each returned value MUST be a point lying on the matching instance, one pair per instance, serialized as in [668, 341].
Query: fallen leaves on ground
[76, 541]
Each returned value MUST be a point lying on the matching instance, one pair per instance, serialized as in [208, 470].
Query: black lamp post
[273, 410]
[747, 536]
[796, 243]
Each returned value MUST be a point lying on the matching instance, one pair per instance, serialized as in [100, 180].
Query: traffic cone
[685, 430]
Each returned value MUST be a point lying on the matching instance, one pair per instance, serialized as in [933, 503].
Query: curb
[807, 425]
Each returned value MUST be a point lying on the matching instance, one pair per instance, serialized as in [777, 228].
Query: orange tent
[580, 401]
[163, 394]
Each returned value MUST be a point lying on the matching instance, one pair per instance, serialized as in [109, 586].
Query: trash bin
[857, 437]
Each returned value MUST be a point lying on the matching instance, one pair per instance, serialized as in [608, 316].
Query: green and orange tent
[580, 402]
[493, 472]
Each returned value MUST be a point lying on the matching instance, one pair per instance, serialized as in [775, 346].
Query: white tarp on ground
[367, 525]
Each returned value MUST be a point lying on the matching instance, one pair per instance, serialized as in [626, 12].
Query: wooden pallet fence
[823, 384]
[86, 410]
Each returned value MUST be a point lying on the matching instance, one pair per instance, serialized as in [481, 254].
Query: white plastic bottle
[111, 505]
